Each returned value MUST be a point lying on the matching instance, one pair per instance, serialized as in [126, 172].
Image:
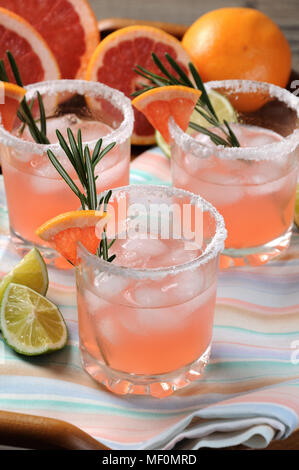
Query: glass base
[256, 255]
[159, 386]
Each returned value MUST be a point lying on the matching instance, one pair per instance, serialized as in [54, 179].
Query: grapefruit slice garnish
[66, 230]
[11, 96]
[34, 59]
[159, 104]
[69, 27]
[116, 56]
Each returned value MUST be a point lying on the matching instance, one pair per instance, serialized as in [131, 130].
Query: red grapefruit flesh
[34, 59]
[159, 104]
[11, 96]
[116, 56]
[68, 26]
[66, 242]
[64, 232]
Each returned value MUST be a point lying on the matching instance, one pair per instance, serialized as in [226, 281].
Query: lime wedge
[162, 144]
[223, 109]
[31, 272]
[297, 207]
[30, 323]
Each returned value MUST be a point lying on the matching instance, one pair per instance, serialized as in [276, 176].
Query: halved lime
[31, 272]
[30, 323]
[223, 109]
[297, 207]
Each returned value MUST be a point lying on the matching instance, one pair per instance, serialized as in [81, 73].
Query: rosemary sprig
[204, 106]
[84, 164]
[81, 160]
[25, 110]
[104, 247]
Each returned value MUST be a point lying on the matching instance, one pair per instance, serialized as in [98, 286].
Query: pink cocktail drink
[256, 199]
[146, 320]
[38, 182]
[253, 186]
[35, 191]
[133, 337]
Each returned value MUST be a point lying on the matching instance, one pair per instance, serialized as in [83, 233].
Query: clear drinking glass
[35, 191]
[146, 319]
[252, 186]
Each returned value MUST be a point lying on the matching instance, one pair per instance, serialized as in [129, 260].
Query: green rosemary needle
[204, 106]
[25, 110]
[81, 159]
[84, 164]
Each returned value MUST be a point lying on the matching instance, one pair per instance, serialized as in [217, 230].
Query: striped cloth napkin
[248, 394]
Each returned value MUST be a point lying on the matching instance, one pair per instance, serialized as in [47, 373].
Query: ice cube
[188, 285]
[180, 177]
[94, 304]
[159, 319]
[220, 195]
[178, 256]
[107, 329]
[255, 137]
[194, 163]
[109, 285]
[150, 297]
[43, 185]
[144, 247]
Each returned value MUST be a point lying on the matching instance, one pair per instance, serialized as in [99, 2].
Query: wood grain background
[284, 13]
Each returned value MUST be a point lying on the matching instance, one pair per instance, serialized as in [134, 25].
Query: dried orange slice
[115, 58]
[33, 57]
[10, 98]
[66, 230]
[69, 27]
[159, 104]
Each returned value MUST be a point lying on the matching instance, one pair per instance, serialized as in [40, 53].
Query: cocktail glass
[35, 191]
[252, 186]
[146, 319]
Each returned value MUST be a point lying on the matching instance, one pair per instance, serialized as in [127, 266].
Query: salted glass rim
[94, 89]
[264, 152]
[215, 246]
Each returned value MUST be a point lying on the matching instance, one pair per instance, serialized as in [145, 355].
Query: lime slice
[223, 109]
[297, 207]
[31, 272]
[162, 144]
[30, 323]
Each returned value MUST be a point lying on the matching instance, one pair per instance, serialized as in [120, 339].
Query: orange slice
[33, 57]
[69, 27]
[116, 56]
[11, 96]
[159, 104]
[66, 230]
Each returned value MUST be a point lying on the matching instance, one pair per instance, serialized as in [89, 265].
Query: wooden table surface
[285, 14]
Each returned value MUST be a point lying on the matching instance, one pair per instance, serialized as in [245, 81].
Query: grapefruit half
[116, 56]
[34, 59]
[68, 26]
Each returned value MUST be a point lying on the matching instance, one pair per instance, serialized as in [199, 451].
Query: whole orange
[239, 43]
